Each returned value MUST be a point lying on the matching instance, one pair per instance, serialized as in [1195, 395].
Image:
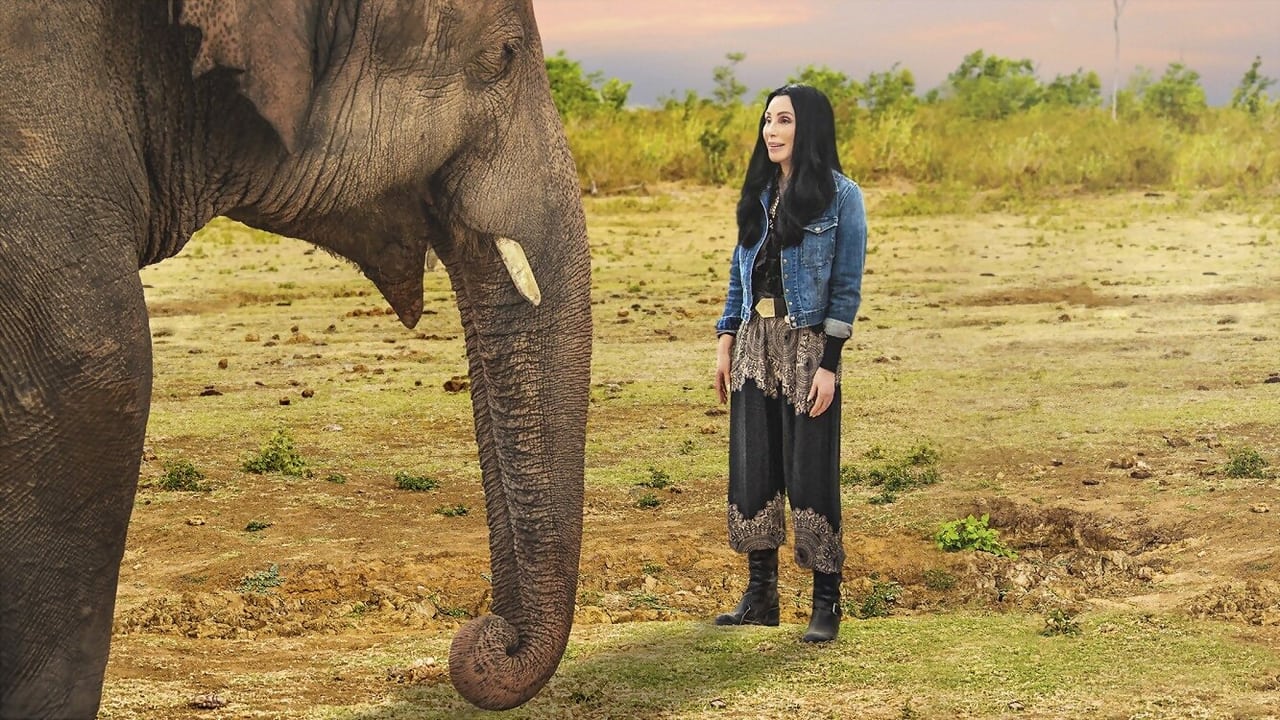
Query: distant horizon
[667, 47]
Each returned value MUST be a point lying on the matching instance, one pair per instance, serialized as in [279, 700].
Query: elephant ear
[272, 43]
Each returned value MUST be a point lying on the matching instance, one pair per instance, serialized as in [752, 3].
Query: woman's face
[780, 131]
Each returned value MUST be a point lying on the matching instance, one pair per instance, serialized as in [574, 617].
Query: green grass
[942, 666]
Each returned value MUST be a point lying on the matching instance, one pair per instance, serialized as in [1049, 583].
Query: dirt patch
[1236, 296]
[320, 598]
[1064, 295]
[1256, 602]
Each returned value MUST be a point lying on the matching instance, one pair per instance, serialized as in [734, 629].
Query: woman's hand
[724, 360]
[821, 392]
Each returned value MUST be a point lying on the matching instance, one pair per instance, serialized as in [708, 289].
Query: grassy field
[1090, 372]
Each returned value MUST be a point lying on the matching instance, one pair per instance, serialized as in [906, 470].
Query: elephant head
[404, 125]
[377, 129]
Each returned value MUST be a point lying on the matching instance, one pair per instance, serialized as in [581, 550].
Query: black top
[766, 281]
[766, 274]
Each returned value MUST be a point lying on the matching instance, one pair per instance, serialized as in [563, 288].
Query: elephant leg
[76, 371]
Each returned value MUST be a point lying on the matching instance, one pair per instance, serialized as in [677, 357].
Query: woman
[794, 290]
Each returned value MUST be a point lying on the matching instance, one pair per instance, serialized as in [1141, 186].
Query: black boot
[759, 605]
[824, 625]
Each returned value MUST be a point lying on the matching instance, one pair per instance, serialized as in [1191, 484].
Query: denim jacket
[821, 277]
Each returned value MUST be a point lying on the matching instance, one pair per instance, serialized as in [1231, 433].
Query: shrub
[452, 510]
[261, 582]
[648, 500]
[256, 526]
[1245, 463]
[971, 534]
[879, 601]
[406, 480]
[336, 478]
[278, 455]
[181, 475]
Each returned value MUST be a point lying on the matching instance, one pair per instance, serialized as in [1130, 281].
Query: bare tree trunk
[1115, 75]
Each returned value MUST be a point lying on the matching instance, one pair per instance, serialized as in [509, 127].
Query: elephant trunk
[530, 377]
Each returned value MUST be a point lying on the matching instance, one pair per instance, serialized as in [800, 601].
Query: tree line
[993, 123]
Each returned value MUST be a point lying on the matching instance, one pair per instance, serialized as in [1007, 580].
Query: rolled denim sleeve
[845, 288]
[731, 320]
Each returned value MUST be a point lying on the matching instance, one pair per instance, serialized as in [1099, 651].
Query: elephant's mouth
[405, 293]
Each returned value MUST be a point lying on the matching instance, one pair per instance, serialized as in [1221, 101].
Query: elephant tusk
[518, 268]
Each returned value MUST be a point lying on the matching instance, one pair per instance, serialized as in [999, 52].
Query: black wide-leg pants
[775, 452]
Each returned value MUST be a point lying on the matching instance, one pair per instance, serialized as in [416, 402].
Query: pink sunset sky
[665, 47]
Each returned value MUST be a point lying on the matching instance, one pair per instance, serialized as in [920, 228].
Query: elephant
[375, 129]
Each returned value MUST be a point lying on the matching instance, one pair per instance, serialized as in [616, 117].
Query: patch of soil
[1256, 602]
[319, 598]
[1069, 295]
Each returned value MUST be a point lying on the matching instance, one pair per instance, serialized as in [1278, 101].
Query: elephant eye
[492, 64]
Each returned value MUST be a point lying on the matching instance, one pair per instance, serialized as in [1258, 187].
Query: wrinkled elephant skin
[378, 129]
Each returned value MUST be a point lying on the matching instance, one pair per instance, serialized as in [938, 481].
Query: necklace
[773, 207]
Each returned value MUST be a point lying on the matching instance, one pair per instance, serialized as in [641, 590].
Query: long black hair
[810, 187]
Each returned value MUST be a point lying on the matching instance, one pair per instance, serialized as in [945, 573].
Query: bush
[406, 480]
[648, 500]
[452, 510]
[181, 475]
[879, 602]
[972, 534]
[1245, 463]
[256, 526]
[278, 455]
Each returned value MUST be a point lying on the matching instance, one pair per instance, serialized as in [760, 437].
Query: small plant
[181, 475]
[972, 534]
[406, 480]
[658, 480]
[651, 568]
[937, 579]
[261, 582]
[879, 602]
[916, 469]
[454, 612]
[646, 599]
[923, 454]
[1245, 462]
[688, 447]
[648, 500]
[256, 526]
[452, 510]
[336, 478]
[1060, 622]
[278, 455]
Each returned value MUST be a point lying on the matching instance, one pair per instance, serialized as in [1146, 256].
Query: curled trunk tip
[493, 669]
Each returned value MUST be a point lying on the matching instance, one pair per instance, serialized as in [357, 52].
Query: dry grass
[1035, 347]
